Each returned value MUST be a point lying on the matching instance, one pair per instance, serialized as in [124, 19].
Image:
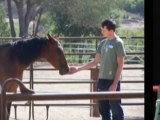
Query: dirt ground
[132, 112]
[132, 24]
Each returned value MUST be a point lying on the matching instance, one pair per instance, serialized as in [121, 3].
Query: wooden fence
[64, 96]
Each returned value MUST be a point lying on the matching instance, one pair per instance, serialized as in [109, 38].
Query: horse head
[55, 55]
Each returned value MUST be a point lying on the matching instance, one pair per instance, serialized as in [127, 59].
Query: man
[110, 54]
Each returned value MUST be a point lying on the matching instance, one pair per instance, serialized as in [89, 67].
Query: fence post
[94, 111]
[31, 103]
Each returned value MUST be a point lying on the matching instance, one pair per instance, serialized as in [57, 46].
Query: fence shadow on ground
[134, 118]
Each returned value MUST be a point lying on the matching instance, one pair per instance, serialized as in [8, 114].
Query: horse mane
[26, 51]
[4, 45]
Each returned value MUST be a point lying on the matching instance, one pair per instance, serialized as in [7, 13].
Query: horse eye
[59, 50]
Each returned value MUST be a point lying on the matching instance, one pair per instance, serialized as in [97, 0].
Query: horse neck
[28, 52]
[41, 55]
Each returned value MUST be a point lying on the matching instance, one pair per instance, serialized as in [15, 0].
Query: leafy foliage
[71, 17]
[135, 6]
[81, 17]
[4, 31]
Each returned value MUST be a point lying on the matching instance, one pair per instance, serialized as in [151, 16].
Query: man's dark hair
[110, 24]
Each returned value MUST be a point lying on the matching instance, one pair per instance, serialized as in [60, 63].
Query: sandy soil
[134, 112]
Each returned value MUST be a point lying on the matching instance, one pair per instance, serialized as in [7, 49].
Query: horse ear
[54, 38]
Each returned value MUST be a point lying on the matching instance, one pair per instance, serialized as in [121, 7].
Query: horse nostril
[67, 69]
[63, 70]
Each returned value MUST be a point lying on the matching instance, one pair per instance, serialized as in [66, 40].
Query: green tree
[82, 17]
[27, 10]
[4, 31]
[71, 17]
[135, 6]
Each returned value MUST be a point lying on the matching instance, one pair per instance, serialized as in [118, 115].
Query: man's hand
[113, 87]
[73, 70]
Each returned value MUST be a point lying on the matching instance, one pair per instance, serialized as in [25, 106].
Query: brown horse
[17, 56]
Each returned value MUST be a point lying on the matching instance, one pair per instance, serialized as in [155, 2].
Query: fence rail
[83, 48]
[74, 96]
[59, 96]
[75, 81]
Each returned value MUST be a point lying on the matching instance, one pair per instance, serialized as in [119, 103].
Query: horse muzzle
[63, 70]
